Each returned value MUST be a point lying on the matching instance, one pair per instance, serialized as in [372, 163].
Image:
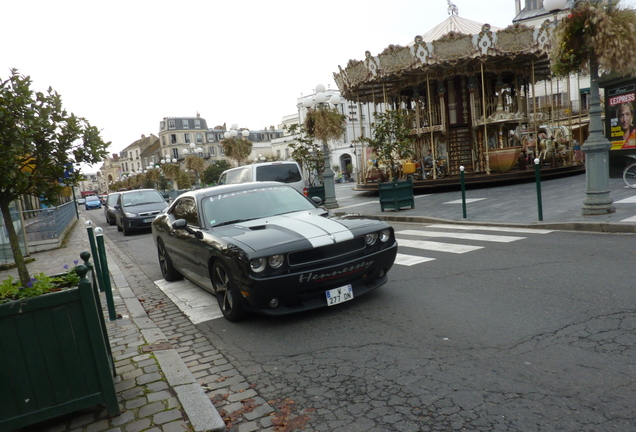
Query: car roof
[137, 190]
[249, 166]
[234, 187]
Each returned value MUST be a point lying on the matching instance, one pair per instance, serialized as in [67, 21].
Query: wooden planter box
[396, 195]
[55, 357]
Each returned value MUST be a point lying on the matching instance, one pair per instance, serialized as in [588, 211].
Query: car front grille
[328, 252]
[149, 213]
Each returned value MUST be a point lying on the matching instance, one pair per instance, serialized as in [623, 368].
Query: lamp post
[194, 150]
[596, 148]
[232, 136]
[320, 102]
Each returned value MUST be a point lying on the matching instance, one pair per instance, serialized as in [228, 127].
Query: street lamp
[320, 102]
[596, 148]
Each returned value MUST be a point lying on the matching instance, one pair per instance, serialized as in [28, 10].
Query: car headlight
[371, 238]
[258, 265]
[385, 235]
[128, 214]
[276, 261]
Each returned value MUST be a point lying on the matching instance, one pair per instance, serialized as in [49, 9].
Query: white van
[284, 172]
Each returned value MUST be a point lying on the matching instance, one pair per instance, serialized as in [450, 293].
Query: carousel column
[472, 86]
[441, 92]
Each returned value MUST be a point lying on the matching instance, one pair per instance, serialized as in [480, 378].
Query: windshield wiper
[230, 222]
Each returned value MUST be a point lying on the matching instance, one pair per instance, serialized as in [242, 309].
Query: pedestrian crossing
[410, 239]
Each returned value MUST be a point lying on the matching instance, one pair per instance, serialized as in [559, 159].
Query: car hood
[278, 234]
[146, 208]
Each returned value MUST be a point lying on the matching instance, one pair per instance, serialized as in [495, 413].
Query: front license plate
[339, 295]
[149, 220]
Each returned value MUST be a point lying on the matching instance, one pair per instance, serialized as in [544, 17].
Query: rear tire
[227, 294]
[168, 271]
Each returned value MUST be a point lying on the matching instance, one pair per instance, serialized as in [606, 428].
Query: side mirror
[316, 200]
[182, 224]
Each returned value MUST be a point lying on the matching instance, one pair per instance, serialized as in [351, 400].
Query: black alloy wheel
[168, 271]
[227, 294]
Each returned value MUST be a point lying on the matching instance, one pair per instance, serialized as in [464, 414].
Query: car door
[188, 254]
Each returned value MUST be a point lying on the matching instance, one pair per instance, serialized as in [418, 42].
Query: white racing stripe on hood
[314, 228]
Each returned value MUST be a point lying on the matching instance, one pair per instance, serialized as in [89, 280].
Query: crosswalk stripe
[409, 260]
[462, 236]
[198, 304]
[490, 228]
[437, 246]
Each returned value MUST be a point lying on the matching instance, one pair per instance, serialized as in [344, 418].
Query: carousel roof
[455, 46]
[453, 24]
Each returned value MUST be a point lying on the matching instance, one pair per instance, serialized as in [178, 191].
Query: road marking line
[361, 204]
[630, 200]
[468, 200]
[490, 228]
[198, 304]
[462, 236]
[437, 246]
[409, 260]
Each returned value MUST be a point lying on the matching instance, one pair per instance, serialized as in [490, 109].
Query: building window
[221, 151]
[185, 124]
[197, 124]
[170, 124]
[163, 140]
[163, 125]
[186, 137]
[212, 150]
[173, 138]
[210, 137]
[199, 138]
[175, 153]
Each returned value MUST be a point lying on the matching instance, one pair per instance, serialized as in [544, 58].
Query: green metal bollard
[98, 267]
[99, 233]
[461, 176]
[537, 174]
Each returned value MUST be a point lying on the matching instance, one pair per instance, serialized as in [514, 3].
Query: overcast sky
[124, 65]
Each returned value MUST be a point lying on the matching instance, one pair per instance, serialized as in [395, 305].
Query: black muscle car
[264, 247]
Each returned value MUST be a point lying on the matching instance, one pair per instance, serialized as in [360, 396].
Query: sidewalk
[514, 205]
[183, 384]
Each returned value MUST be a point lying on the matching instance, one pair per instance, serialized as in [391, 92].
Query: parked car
[284, 172]
[81, 201]
[92, 202]
[136, 209]
[109, 207]
[265, 248]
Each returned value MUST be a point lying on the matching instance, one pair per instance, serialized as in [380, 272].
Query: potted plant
[55, 355]
[391, 142]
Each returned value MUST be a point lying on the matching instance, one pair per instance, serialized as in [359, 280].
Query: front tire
[227, 294]
[168, 271]
[629, 176]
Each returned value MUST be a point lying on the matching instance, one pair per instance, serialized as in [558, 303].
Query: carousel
[477, 98]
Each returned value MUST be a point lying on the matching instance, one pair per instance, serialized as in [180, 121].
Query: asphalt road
[533, 332]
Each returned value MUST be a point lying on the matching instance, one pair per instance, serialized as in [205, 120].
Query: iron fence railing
[48, 223]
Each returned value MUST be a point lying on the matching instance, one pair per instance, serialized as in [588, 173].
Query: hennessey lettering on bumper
[311, 277]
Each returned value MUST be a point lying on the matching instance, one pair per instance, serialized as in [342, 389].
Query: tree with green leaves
[307, 152]
[237, 148]
[213, 172]
[392, 139]
[195, 164]
[41, 146]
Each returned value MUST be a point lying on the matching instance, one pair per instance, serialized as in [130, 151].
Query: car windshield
[142, 197]
[92, 198]
[253, 204]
